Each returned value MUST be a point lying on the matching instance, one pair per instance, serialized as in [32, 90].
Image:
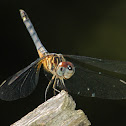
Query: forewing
[109, 65]
[87, 82]
[22, 83]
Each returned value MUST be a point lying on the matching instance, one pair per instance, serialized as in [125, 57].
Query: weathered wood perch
[57, 111]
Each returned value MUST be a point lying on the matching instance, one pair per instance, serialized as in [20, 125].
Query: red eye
[63, 64]
[70, 64]
[66, 64]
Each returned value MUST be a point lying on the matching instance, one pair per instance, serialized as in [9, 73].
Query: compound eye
[60, 71]
[69, 67]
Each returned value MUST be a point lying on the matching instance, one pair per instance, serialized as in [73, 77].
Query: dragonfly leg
[62, 82]
[54, 86]
[49, 85]
[54, 92]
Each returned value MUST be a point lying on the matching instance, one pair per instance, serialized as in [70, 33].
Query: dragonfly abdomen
[39, 46]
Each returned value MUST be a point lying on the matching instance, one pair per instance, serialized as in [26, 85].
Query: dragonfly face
[65, 70]
[92, 78]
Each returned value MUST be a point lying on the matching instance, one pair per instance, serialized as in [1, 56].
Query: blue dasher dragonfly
[93, 77]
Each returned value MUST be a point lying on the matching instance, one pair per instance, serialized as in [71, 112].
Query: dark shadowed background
[91, 28]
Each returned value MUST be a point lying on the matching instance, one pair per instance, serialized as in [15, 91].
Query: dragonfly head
[65, 70]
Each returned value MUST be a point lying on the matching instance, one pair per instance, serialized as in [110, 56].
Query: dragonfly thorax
[51, 61]
[57, 65]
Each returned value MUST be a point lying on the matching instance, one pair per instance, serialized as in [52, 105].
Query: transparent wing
[88, 81]
[109, 65]
[22, 83]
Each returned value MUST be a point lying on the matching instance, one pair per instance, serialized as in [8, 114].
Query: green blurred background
[91, 28]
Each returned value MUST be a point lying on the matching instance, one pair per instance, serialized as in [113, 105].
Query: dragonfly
[93, 77]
